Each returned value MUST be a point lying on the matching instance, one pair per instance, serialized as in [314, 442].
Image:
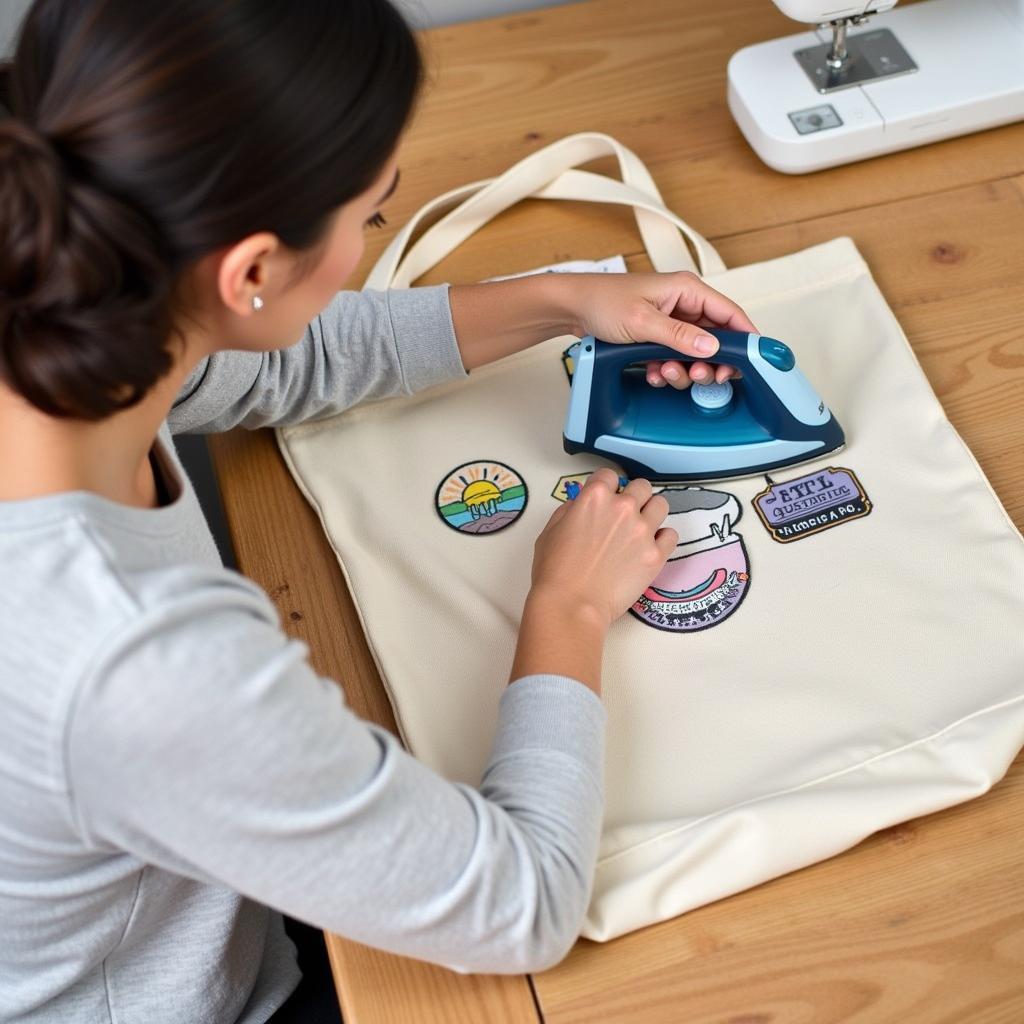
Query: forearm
[363, 346]
[559, 640]
[281, 793]
[496, 318]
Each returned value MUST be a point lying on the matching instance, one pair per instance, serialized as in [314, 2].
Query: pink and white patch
[706, 578]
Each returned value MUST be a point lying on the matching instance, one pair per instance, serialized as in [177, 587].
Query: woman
[183, 189]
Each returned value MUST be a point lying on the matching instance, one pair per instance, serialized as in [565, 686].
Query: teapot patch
[707, 576]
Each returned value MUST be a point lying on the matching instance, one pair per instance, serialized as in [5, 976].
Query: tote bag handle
[548, 174]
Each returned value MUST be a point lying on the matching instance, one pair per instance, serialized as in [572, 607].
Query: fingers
[698, 299]
[692, 341]
[671, 372]
[685, 337]
[654, 375]
[652, 507]
[680, 375]
[702, 373]
[666, 539]
[683, 321]
[654, 511]
[640, 491]
[603, 477]
[697, 307]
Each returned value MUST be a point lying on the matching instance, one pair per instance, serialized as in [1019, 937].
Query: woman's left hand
[670, 309]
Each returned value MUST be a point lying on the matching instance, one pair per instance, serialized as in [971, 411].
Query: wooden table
[921, 923]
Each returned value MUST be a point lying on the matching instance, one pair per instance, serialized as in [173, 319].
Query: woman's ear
[245, 271]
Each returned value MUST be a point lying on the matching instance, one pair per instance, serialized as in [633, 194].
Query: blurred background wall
[425, 13]
[11, 13]
[422, 13]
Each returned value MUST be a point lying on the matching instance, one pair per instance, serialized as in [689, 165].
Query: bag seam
[308, 494]
[810, 783]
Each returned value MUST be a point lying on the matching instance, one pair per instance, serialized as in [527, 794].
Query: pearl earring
[257, 303]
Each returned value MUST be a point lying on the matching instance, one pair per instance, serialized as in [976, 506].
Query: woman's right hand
[594, 558]
[600, 551]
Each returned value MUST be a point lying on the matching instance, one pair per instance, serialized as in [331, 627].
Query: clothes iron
[768, 418]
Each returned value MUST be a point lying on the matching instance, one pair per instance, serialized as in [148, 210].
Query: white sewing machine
[919, 74]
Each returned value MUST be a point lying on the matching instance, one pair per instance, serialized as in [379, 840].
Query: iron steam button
[711, 397]
[778, 355]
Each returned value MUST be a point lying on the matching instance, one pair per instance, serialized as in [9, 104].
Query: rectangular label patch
[811, 503]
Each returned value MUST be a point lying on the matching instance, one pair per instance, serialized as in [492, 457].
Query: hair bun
[21, 133]
[31, 209]
[84, 286]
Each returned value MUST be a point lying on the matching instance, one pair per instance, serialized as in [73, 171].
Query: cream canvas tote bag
[828, 652]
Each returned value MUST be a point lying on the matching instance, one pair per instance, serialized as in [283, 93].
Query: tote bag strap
[548, 174]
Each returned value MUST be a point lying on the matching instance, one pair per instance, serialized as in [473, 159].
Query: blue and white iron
[768, 418]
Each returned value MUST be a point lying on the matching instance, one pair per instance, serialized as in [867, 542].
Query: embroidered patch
[481, 497]
[568, 487]
[811, 503]
[706, 578]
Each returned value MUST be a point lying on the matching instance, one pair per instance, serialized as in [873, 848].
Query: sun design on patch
[706, 577]
[481, 497]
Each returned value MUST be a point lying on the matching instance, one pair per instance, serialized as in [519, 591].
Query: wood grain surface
[920, 924]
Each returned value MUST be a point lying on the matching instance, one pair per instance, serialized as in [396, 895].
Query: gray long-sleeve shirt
[173, 772]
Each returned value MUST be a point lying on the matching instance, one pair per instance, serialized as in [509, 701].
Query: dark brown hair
[144, 136]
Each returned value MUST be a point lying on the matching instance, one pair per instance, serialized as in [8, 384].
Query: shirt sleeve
[364, 345]
[202, 742]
